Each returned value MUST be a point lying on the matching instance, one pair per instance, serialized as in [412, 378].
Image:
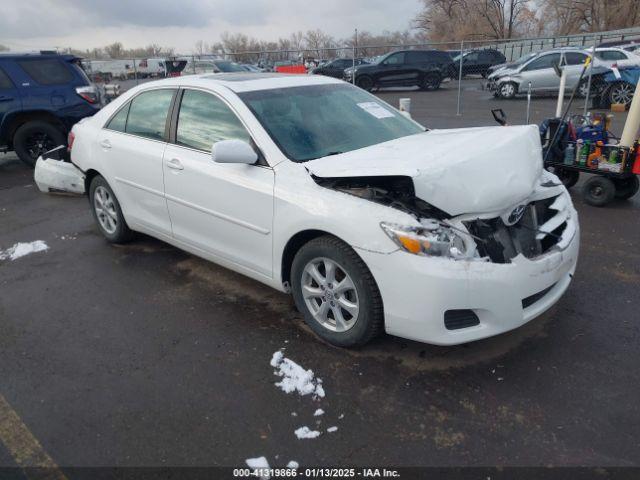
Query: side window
[118, 122]
[471, 57]
[204, 120]
[49, 71]
[611, 55]
[415, 57]
[395, 59]
[5, 81]
[575, 58]
[148, 114]
[546, 61]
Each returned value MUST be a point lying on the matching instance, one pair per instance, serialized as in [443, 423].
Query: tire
[365, 82]
[621, 92]
[352, 331]
[568, 177]
[582, 89]
[626, 188]
[110, 210]
[430, 81]
[598, 191]
[35, 138]
[507, 90]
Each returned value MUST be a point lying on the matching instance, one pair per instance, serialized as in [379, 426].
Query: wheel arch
[17, 119]
[89, 175]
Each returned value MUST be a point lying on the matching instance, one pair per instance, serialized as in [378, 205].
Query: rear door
[225, 210]
[130, 150]
[9, 99]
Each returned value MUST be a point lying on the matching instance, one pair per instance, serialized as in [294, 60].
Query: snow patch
[22, 249]
[293, 464]
[332, 429]
[318, 412]
[305, 432]
[294, 377]
[258, 462]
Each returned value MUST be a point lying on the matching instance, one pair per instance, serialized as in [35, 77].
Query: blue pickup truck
[42, 95]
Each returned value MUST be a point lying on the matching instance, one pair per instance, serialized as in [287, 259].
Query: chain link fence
[519, 75]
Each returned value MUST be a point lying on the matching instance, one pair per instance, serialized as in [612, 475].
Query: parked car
[423, 68]
[251, 68]
[539, 71]
[616, 87]
[609, 56]
[42, 95]
[212, 66]
[476, 62]
[335, 68]
[370, 221]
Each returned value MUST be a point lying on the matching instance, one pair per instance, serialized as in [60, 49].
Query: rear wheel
[107, 212]
[598, 191]
[336, 293]
[626, 188]
[365, 83]
[34, 139]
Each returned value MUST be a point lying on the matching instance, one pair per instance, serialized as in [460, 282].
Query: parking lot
[143, 355]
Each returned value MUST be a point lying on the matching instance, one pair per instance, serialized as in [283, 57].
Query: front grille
[530, 300]
[457, 319]
[539, 230]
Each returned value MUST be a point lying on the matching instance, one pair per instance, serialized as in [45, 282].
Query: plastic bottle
[579, 145]
[569, 154]
[584, 153]
[594, 157]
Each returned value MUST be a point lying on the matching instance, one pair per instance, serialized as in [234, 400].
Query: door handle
[175, 164]
[106, 144]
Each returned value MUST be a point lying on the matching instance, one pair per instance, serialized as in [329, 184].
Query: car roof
[244, 82]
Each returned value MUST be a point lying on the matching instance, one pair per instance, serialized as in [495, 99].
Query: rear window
[5, 81]
[611, 55]
[148, 114]
[47, 71]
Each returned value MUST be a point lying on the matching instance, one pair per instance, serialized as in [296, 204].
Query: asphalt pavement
[143, 355]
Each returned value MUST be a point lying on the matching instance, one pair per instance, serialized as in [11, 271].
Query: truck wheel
[336, 293]
[568, 177]
[507, 90]
[598, 191]
[626, 188]
[35, 138]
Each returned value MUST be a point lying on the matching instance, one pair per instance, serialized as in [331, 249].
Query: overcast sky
[36, 24]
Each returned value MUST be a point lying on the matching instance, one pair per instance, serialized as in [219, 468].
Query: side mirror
[233, 151]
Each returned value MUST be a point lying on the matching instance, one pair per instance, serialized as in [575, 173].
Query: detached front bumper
[417, 291]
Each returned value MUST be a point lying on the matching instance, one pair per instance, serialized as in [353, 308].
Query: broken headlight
[432, 239]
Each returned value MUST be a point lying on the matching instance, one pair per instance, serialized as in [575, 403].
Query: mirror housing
[233, 151]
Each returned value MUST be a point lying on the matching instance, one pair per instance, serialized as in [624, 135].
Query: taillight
[70, 139]
[90, 94]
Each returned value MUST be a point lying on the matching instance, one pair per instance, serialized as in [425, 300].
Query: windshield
[524, 58]
[315, 121]
[229, 67]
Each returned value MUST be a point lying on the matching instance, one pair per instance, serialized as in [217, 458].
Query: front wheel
[336, 293]
[107, 212]
[507, 90]
[365, 83]
[431, 81]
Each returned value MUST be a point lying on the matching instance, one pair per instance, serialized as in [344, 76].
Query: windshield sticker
[375, 109]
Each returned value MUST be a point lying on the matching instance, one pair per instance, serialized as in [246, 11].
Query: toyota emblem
[516, 214]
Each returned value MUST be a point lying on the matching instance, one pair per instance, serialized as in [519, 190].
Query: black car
[477, 62]
[42, 95]
[424, 68]
[336, 67]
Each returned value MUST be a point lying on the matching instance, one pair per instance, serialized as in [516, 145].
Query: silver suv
[538, 70]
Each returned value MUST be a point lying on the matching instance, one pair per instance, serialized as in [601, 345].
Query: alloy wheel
[105, 210]
[39, 143]
[622, 93]
[330, 294]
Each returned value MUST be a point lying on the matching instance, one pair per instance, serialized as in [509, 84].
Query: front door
[541, 74]
[131, 149]
[225, 210]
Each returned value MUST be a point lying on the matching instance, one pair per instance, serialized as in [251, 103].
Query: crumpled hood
[466, 170]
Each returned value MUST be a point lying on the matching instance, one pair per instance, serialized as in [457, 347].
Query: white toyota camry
[315, 187]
